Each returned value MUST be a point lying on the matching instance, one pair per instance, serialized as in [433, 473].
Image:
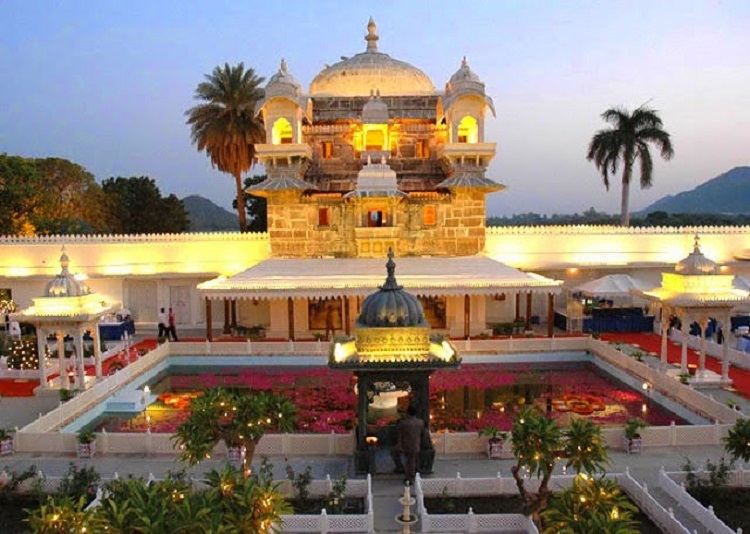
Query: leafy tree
[256, 207]
[225, 124]
[48, 196]
[737, 442]
[626, 141]
[236, 418]
[537, 444]
[61, 515]
[590, 506]
[137, 206]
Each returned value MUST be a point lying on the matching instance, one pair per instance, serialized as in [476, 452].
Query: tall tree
[136, 206]
[627, 140]
[225, 124]
[257, 207]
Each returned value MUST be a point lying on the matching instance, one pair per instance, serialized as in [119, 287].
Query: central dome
[391, 306]
[370, 71]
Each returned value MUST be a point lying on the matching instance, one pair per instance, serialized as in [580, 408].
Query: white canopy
[613, 285]
[335, 277]
[741, 282]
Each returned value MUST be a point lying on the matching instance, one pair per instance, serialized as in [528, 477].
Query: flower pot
[633, 445]
[495, 449]
[235, 456]
[86, 450]
[6, 447]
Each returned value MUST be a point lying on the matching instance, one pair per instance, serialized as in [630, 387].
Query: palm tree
[626, 141]
[591, 506]
[225, 124]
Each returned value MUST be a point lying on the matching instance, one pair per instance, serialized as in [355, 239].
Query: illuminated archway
[375, 139]
[468, 130]
[282, 132]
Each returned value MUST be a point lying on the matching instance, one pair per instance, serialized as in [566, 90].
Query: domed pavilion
[696, 292]
[68, 307]
[392, 353]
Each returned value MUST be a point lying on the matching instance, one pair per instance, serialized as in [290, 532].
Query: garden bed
[730, 504]
[511, 504]
[13, 508]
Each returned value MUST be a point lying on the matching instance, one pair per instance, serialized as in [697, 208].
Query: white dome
[370, 71]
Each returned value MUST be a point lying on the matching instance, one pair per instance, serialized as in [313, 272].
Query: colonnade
[230, 314]
[62, 361]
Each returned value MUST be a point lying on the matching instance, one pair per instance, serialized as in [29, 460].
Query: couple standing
[167, 325]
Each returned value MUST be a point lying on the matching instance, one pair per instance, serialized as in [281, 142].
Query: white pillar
[726, 329]
[97, 350]
[62, 361]
[664, 345]
[41, 346]
[80, 371]
[702, 361]
[684, 353]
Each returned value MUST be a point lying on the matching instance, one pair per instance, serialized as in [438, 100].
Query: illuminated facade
[372, 156]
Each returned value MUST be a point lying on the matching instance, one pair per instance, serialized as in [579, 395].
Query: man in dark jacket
[411, 432]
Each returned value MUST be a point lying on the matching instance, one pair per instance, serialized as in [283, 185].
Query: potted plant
[638, 355]
[6, 442]
[86, 444]
[684, 378]
[633, 435]
[495, 441]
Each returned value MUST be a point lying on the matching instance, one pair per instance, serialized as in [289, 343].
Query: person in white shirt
[163, 324]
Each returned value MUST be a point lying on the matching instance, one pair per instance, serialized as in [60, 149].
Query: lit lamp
[146, 392]
[371, 441]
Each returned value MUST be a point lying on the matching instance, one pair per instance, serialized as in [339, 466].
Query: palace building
[372, 156]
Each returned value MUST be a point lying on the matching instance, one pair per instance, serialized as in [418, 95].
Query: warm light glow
[281, 132]
[468, 130]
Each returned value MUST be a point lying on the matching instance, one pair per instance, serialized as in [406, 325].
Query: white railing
[520, 344]
[325, 522]
[250, 348]
[583, 229]
[86, 400]
[52, 364]
[737, 358]
[705, 516]
[695, 400]
[147, 443]
[664, 518]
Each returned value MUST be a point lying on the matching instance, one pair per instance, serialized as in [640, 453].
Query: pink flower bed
[464, 400]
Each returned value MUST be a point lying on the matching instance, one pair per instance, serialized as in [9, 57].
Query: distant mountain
[728, 193]
[205, 216]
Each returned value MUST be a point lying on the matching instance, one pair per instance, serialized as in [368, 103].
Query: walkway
[652, 343]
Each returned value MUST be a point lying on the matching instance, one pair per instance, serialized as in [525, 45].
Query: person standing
[163, 324]
[330, 325]
[411, 431]
[172, 328]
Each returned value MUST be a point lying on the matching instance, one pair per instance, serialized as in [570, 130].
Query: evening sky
[106, 84]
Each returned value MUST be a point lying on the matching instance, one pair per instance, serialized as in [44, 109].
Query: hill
[728, 193]
[205, 216]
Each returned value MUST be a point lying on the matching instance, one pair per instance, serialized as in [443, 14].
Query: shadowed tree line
[45, 196]
[596, 218]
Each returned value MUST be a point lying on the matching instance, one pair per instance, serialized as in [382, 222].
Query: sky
[106, 83]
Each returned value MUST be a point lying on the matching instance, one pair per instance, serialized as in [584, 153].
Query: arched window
[468, 130]
[374, 140]
[282, 132]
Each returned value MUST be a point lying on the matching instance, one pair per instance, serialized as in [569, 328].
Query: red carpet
[17, 387]
[652, 343]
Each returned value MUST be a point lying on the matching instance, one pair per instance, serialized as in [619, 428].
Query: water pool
[467, 399]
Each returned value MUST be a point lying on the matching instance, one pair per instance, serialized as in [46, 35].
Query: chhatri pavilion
[374, 158]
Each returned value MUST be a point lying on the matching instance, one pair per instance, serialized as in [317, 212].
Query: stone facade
[327, 180]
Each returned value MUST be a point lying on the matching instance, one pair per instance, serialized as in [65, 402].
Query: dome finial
[390, 267]
[697, 243]
[464, 63]
[64, 261]
[283, 68]
[372, 37]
